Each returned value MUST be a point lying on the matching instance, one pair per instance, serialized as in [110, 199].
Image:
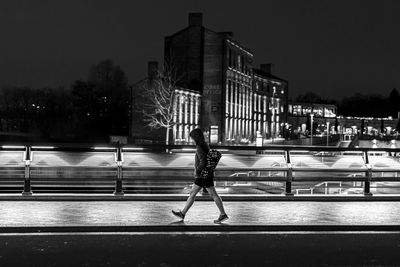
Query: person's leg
[190, 200]
[217, 199]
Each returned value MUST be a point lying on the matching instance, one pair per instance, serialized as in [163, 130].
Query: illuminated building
[319, 110]
[186, 114]
[322, 113]
[234, 105]
[270, 114]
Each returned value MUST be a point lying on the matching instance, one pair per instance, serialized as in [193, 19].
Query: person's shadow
[181, 222]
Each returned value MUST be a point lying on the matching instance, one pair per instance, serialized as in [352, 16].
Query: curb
[183, 197]
[201, 228]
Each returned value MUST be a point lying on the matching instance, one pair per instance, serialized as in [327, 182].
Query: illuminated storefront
[299, 113]
[319, 110]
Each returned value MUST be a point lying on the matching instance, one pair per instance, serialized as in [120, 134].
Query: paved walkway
[158, 213]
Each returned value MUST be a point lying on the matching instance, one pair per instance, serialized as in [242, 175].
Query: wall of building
[187, 106]
[183, 51]
[212, 83]
[238, 115]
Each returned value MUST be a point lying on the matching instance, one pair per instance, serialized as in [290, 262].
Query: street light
[327, 133]
[311, 119]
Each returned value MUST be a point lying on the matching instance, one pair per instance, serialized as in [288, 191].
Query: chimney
[266, 68]
[152, 69]
[195, 19]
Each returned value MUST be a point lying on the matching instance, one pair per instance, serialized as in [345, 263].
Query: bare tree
[160, 106]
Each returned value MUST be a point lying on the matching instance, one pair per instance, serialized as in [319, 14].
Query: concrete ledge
[182, 227]
[183, 197]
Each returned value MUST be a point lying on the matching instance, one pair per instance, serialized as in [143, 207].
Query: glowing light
[103, 148]
[133, 148]
[393, 144]
[12, 147]
[188, 149]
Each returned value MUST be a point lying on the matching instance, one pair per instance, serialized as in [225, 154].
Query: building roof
[227, 37]
[267, 75]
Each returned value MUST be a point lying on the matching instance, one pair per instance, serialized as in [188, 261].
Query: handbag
[213, 157]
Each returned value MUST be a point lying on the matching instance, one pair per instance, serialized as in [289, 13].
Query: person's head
[197, 135]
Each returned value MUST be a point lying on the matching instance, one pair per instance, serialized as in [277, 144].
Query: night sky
[333, 48]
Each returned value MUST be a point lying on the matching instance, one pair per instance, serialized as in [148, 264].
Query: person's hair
[197, 135]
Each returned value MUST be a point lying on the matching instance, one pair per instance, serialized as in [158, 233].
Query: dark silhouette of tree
[86, 102]
[42, 111]
[309, 97]
[102, 102]
[111, 84]
[372, 105]
[394, 103]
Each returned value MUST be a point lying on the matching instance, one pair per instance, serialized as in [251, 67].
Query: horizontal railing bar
[216, 178]
[329, 179]
[385, 179]
[62, 167]
[384, 170]
[130, 168]
[328, 170]
[146, 147]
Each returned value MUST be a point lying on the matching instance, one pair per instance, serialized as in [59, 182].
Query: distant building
[319, 110]
[299, 113]
[237, 101]
[271, 110]
[372, 126]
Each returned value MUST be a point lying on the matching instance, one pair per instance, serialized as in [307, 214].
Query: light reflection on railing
[246, 165]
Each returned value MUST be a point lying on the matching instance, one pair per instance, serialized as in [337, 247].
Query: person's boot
[179, 214]
[221, 218]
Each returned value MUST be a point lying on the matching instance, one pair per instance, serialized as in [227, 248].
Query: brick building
[237, 101]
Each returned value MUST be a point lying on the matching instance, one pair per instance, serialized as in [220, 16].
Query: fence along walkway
[121, 167]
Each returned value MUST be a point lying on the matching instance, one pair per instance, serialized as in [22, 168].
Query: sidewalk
[26, 216]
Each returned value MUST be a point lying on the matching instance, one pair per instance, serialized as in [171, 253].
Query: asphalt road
[223, 249]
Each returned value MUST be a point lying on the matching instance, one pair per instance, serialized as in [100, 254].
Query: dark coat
[202, 149]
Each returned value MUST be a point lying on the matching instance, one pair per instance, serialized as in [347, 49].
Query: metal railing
[149, 164]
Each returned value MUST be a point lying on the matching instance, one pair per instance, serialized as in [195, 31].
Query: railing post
[27, 176]
[289, 173]
[368, 175]
[367, 183]
[118, 182]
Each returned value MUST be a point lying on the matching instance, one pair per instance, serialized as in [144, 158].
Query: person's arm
[196, 163]
[202, 156]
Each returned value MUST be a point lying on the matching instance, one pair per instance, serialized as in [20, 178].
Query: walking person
[202, 150]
